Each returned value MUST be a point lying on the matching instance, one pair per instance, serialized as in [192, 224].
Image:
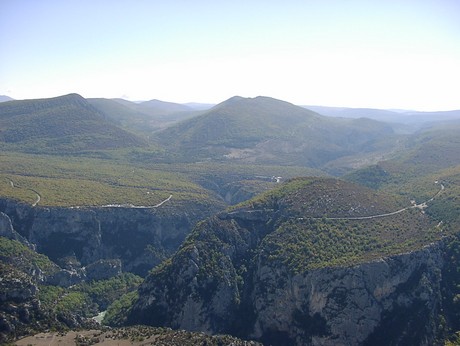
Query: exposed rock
[394, 300]
[66, 278]
[18, 301]
[7, 230]
[140, 238]
[103, 269]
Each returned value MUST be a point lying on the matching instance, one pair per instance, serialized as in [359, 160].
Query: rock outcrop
[393, 300]
[19, 305]
[7, 230]
[139, 238]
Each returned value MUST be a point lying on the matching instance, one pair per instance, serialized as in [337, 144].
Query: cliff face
[241, 273]
[391, 300]
[140, 238]
[394, 300]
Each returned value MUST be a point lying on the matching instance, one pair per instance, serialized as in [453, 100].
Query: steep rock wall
[140, 238]
[394, 300]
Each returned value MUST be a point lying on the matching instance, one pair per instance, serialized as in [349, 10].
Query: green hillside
[328, 221]
[310, 223]
[423, 154]
[269, 131]
[92, 182]
[145, 117]
[125, 116]
[59, 125]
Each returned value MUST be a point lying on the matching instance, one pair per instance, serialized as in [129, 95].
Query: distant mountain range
[259, 130]
[145, 116]
[393, 116]
[169, 111]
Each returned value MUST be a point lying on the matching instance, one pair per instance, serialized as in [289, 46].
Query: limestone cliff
[77, 237]
[393, 300]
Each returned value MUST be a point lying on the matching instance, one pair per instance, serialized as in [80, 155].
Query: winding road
[421, 206]
[38, 199]
[34, 204]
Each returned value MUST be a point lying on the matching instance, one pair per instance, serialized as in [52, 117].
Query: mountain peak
[69, 120]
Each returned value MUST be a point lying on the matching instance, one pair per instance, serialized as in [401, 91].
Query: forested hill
[270, 131]
[65, 123]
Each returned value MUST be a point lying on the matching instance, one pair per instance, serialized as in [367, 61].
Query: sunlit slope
[269, 131]
[64, 124]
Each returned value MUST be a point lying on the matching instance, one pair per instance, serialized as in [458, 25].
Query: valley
[254, 218]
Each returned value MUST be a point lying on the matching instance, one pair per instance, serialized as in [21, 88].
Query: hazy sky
[374, 53]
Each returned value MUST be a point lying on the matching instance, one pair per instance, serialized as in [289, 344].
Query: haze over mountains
[392, 116]
[406, 116]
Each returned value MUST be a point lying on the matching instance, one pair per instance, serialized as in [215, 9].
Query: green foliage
[308, 244]
[266, 130]
[61, 125]
[84, 181]
[104, 292]
[119, 309]
[373, 176]
[87, 182]
[87, 298]
[454, 340]
[24, 258]
[49, 296]
[75, 302]
[314, 197]
[317, 225]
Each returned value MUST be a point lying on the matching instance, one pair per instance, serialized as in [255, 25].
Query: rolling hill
[399, 116]
[430, 150]
[144, 117]
[160, 114]
[63, 124]
[270, 131]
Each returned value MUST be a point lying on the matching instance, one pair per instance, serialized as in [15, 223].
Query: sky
[402, 54]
